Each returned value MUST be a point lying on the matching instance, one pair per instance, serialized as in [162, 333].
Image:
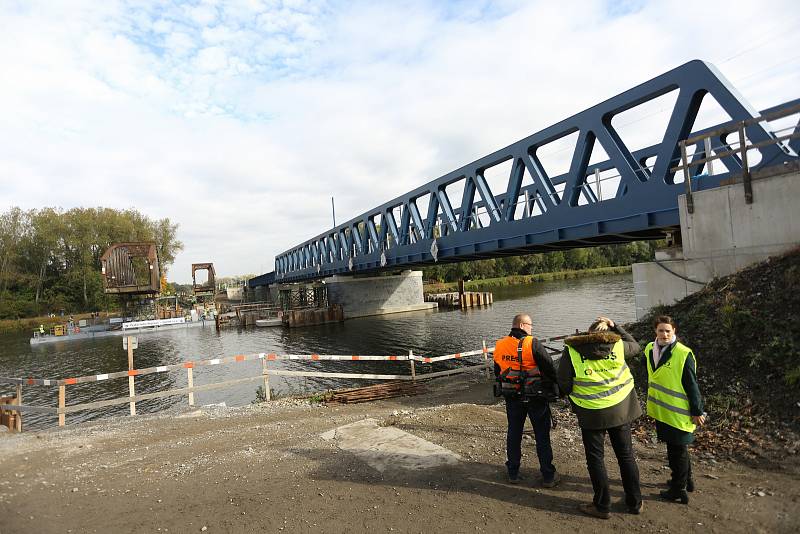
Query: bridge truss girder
[563, 211]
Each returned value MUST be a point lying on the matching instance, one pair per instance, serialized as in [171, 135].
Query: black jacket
[669, 433]
[595, 346]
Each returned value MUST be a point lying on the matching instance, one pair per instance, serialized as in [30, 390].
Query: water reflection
[556, 307]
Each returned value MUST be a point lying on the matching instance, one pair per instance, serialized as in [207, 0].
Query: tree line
[50, 259]
[566, 260]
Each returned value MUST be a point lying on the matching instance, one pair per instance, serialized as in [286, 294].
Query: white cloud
[211, 60]
[240, 120]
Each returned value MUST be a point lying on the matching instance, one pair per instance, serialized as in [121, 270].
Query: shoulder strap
[519, 351]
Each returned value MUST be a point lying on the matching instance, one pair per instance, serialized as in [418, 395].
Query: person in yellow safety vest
[674, 401]
[537, 365]
[41, 329]
[594, 374]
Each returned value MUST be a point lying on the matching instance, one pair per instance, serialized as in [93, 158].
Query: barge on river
[123, 329]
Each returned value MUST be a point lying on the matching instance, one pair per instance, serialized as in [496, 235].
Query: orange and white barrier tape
[251, 357]
[233, 359]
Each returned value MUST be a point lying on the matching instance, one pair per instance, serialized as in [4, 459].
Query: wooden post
[413, 368]
[131, 386]
[62, 397]
[130, 353]
[486, 358]
[19, 403]
[267, 394]
[190, 380]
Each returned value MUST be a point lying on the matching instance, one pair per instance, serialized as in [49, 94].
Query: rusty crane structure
[203, 289]
[131, 269]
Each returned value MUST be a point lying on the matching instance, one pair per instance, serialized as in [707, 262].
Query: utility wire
[772, 37]
[670, 271]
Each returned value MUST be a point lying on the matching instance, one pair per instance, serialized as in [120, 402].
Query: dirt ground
[266, 468]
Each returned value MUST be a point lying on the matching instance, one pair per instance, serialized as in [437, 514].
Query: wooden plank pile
[377, 392]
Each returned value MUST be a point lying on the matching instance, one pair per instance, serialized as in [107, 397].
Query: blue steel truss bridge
[629, 193]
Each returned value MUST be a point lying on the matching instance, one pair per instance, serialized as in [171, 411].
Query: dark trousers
[593, 444]
[680, 464]
[539, 414]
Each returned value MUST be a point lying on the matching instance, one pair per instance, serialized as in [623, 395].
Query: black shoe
[515, 478]
[553, 482]
[675, 496]
[689, 484]
[634, 510]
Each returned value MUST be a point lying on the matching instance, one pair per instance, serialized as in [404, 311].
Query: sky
[240, 120]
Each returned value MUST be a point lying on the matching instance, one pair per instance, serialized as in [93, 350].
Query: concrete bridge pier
[722, 235]
[378, 295]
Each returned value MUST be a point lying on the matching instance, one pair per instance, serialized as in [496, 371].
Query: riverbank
[296, 466]
[487, 284]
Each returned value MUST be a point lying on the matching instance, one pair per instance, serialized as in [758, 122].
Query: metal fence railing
[711, 154]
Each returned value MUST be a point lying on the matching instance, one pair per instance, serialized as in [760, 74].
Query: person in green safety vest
[594, 374]
[674, 401]
[41, 329]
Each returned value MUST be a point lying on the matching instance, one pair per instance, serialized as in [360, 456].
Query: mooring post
[190, 381]
[413, 369]
[265, 373]
[19, 403]
[62, 397]
[131, 386]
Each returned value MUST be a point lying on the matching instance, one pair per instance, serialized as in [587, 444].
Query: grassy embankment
[744, 331]
[487, 284]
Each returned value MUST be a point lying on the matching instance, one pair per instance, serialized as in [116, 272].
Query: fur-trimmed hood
[593, 345]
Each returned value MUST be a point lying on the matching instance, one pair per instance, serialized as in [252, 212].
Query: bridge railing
[564, 210]
[700, 159]
[783, 138]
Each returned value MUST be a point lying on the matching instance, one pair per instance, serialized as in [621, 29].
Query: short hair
[595, 326]
[664, 319]
[518, 319]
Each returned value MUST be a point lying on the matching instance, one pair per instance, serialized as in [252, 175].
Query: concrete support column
[378, 295]
[722, 235]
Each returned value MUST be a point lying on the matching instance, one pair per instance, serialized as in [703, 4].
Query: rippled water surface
[557, 307]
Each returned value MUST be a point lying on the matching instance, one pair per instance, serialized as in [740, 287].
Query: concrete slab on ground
[385, 447]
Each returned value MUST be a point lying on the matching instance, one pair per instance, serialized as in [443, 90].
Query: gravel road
[266, 468]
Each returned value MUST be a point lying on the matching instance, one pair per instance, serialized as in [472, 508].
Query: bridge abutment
[378, 295]
[722, 235]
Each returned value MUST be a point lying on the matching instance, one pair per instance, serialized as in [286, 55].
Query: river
[557, 307]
